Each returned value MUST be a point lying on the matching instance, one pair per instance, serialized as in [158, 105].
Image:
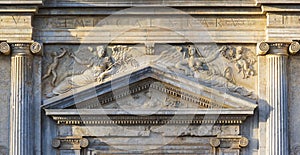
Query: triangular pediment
[145, 96]
[150, 88]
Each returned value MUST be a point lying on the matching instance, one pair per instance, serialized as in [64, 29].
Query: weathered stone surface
[184, 113]
[293, 104]
[282, 26]
[104, 29]
[4, 102]
[132, 3]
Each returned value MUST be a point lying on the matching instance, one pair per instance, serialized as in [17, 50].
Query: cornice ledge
[266, 2]
[280, 8]
[20, 6]
[22, 2]
[104, 112]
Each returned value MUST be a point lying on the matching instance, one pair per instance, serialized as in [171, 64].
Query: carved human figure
[242, 60]
[52, 67]
[121, 59]
[154, 100]
[204, 69]
[199, 67]
[187, 63]
[212, 78]
[192, 63]
[241, 64]
[95, 66]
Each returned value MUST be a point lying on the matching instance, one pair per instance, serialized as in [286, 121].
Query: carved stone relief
[208, 69]
[97, 67]
[242, 58]
[228, 67]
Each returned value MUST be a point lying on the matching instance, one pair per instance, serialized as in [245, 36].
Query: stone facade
[149, 77]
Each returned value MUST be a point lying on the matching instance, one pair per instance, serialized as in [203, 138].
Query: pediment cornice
[87, 105]
[186, 88]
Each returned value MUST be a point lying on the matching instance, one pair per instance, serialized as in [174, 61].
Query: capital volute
[4, 48]
[36, 48]
[262, 48]
[277, 48]
[294, 47]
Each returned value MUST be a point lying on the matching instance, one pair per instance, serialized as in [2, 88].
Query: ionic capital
[277, 48]
[20, 48]
[70, 143]
[273, 48]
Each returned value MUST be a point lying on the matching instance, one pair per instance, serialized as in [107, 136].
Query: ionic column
[21, 101]
[277, 89]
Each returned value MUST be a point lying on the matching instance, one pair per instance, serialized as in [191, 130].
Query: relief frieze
[229, 67]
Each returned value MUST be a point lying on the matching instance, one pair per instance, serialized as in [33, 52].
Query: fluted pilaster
[277, 98]
[277, 91]
[21, 103]
[21, 97]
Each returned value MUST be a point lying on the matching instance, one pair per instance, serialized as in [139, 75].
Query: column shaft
[277, 98]
[21, 98]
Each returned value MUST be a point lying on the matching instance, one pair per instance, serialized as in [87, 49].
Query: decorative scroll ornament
[215, 142]
[294, 47]
[4, 48]
[35, 47]
[263, 48]
[84, 143]
[243, 142]
[56, 143]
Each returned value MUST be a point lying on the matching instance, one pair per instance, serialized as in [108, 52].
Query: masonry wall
[238, 22]
[4, 103]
